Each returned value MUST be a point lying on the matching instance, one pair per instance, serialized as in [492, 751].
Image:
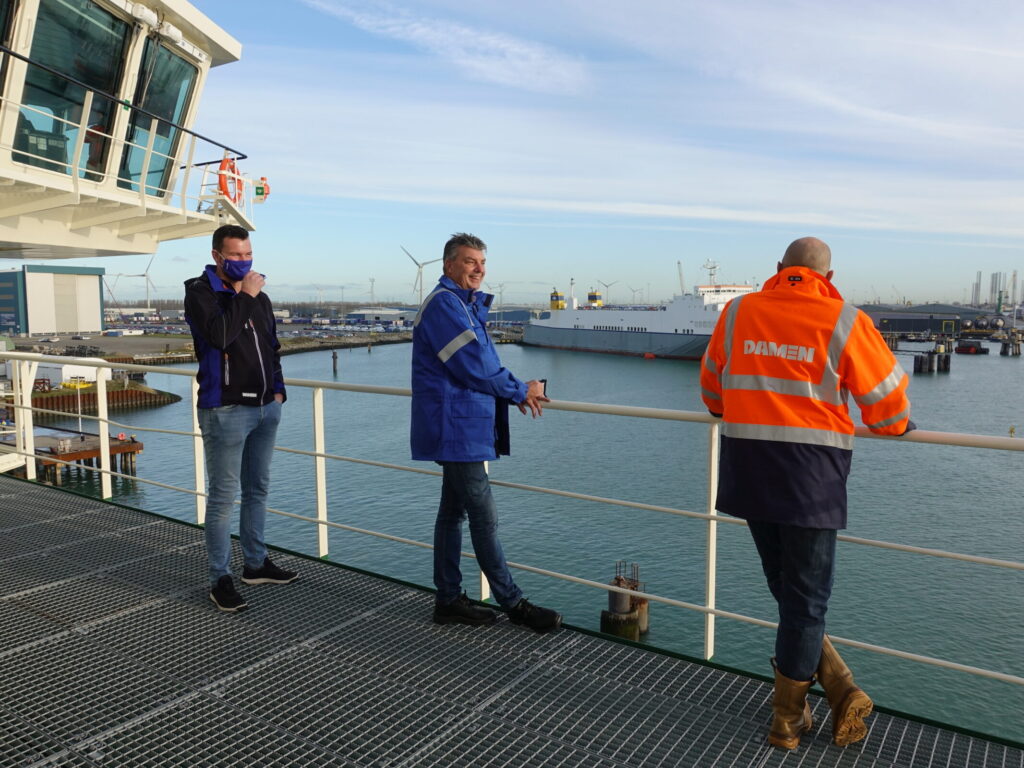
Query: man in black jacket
[241, 390]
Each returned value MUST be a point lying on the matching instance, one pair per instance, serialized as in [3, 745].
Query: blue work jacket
[460, 391]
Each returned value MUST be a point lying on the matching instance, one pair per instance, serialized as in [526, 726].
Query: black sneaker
[226, 597]
[461, 611]
[267, 574]
[536, 618]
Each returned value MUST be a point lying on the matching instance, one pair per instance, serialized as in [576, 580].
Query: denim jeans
[799, 564]
[238, 441]
[466, 492]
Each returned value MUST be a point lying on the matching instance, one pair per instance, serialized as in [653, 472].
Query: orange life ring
[229, 183]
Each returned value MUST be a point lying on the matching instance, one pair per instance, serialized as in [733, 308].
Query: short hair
[462, 240]
[228, 230]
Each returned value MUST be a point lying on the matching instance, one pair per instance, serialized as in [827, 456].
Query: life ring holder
[229, 182]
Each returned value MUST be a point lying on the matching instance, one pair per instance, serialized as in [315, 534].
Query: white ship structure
[679, 329]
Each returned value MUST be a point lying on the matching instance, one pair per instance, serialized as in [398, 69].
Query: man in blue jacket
[460, 397]
[241, 389]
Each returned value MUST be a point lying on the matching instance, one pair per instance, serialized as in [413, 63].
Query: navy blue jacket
[460, 391]
[236, 344]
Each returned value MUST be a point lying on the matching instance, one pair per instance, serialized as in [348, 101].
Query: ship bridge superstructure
[97, 152]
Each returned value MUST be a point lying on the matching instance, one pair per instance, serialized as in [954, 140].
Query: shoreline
[151, 348]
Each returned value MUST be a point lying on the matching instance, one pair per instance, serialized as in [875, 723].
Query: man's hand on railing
[534, 397]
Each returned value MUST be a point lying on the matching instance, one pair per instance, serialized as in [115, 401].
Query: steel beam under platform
[112, 655]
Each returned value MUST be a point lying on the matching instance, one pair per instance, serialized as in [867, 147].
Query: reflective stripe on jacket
[460, 391]
[779, 369]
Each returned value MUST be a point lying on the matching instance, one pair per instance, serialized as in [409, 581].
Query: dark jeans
[466, 492]
[799, 564]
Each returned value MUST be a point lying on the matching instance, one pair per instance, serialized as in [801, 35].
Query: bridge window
[82, 41]
[165, 85]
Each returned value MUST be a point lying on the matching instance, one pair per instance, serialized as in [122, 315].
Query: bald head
[808, 252]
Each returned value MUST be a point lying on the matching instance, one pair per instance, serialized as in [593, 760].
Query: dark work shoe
[226, 597]
[536, 618]
[461, 611]
[267, 574]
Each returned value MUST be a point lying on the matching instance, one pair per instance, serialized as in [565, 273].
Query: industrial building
[945, 319]
[381, 316]
[40, 300]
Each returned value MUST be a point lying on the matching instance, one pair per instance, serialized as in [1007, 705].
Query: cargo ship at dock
[679, 329]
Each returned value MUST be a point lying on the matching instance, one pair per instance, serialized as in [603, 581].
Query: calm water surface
[964, 500]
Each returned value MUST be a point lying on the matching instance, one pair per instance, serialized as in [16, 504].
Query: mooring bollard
[627, 615]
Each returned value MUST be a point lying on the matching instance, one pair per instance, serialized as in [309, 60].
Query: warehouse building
[42, 300]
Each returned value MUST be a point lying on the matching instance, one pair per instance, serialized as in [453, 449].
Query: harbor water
[956, 499]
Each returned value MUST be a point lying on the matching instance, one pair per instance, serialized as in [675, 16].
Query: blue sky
[605, 141]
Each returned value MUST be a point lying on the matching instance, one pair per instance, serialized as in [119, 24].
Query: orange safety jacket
[779, 369]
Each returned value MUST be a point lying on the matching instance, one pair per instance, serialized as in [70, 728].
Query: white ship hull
[678, 330]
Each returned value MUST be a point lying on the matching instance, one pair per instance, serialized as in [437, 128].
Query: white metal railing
[191, 187]
[24, 373]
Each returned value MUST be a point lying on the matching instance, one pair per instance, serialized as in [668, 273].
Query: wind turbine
[635, 291]
[419, 272]
[145, 276]
[607, 293]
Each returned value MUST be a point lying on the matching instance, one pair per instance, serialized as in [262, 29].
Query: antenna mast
[712, 268]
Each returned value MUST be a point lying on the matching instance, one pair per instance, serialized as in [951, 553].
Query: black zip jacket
[236, 343]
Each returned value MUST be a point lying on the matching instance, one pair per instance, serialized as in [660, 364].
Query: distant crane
[682, 285]
[607, 293]
[500, 289]
[113, 299]
[419, 272]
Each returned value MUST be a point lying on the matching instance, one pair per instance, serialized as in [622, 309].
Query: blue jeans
[799, 564]
[238, 441]
[466, 491]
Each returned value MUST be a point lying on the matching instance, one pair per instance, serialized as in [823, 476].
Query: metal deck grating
[111, 655]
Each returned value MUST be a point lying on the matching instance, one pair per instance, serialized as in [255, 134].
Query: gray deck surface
[112, 655]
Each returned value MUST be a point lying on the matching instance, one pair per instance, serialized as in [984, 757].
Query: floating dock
[114, 656]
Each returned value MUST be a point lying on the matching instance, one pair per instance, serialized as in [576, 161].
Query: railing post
[485, 585]
[101, 412]
[712, 544]
[146, 158]
[188, 173]
[320, 464]
[198, 456]
[26, 417]
[16, 385]
[83, 130]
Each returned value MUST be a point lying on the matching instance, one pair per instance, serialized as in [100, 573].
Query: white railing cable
[25, 372]
[978, 671]
[909, 548]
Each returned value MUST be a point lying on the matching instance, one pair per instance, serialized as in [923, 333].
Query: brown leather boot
[849, 704]
[792, 712]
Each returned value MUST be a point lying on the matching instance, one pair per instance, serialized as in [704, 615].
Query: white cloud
[896, 126]
[481, 55]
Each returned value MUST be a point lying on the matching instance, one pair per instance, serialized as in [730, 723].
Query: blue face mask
[235, 270]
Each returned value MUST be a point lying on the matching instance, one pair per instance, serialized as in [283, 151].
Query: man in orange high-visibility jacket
[779, 369]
